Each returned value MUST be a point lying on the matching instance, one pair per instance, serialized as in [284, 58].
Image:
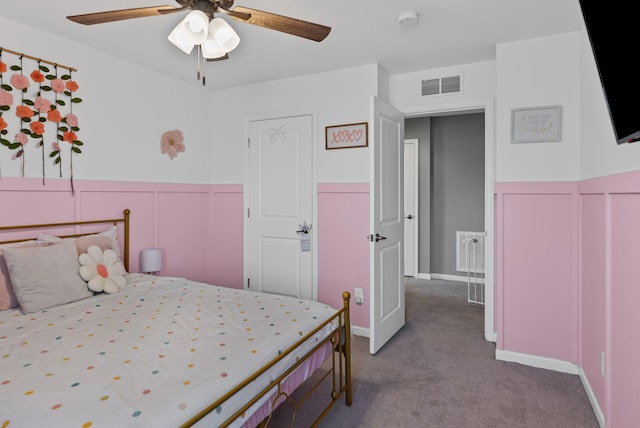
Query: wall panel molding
[184, 218]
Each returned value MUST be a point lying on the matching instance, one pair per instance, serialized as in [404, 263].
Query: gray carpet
[438, 371]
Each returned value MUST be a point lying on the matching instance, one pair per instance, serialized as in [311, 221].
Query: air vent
[450, 84]
[431, 87]
[441, 85]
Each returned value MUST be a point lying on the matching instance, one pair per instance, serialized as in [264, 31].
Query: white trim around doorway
[488, 107]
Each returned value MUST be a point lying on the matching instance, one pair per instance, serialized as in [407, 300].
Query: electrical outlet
[359, 296]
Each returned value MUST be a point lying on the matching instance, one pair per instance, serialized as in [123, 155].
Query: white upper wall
[538, 72]
[477, 86]
[555, 70]
[125, 110]
[334, 98]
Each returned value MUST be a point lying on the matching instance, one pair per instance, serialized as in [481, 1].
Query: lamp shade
[151, 260]
[198, 25]
[224, 35]
[191, 31]
[181, 38]
[210, 48]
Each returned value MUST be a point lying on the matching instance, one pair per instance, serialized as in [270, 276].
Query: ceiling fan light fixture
[191, 31]
[224, 35]
[211, 50]
[182, 39]
[197, 23]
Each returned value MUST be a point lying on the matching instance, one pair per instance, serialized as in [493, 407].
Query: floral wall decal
[38, 113]
[23, 111]
[172, 143]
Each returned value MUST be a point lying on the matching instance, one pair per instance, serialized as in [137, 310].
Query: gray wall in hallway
[452, 171]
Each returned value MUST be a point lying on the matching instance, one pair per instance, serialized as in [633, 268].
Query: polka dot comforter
[152, 355]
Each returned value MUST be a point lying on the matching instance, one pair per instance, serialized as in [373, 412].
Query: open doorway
[456, 192]
[451, 188]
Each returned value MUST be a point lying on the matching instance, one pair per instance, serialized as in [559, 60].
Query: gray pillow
[43, 277]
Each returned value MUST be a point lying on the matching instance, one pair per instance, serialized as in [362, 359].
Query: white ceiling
[448, 32]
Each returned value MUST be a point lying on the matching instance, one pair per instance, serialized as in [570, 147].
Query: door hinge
[249, 142]
[248, 282]
[248, 212]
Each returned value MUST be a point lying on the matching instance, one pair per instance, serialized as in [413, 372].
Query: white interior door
[279, 201]
[411, 207]
[387, 311]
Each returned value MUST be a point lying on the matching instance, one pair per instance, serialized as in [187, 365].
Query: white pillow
[111, 233]
[102, 270]
[44, 277]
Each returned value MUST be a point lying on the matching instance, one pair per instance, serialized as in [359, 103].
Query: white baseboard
[592, 398]
[536, 361]
[459, 278]
[449, 277]
[442, 276]
[359, 331]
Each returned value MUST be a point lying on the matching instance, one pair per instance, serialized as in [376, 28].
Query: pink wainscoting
[184, 233]
[617, 220]
[624, 354]
[182, 219]
[567, 277]
[227, 246]
[536, 275]
[200, 227]
[343, 255]
[26, 201]
[593, 293]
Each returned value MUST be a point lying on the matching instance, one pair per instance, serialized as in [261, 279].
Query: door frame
[416, 208]
[314, 187]
[487, 106]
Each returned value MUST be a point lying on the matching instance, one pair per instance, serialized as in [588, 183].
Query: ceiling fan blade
[240, 16]
[297, 27]
[119, 15]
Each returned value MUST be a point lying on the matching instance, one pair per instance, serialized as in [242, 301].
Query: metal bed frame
[339, 372]
[124, 219]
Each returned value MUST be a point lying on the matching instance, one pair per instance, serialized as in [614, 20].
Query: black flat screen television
[615, 42]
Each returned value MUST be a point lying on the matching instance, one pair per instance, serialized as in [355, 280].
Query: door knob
[376, 238]
[304, 228]
[409, 217]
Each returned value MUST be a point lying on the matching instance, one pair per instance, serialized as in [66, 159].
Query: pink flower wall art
[172, 143]
[38, 105]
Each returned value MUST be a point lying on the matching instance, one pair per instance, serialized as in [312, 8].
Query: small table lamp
[151, 260]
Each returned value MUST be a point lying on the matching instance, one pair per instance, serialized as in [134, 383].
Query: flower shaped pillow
[102, 270]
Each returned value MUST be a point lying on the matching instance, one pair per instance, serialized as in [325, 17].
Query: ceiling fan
[213, 36]
[296, 27]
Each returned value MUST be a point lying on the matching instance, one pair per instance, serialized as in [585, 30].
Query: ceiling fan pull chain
[204, 71]
[198, 55]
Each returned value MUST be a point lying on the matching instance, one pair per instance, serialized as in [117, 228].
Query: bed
[160, 351]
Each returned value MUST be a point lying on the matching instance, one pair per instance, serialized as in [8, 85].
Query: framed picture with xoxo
[346, 136]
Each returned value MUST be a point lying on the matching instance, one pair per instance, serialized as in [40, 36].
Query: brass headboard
[124, 219]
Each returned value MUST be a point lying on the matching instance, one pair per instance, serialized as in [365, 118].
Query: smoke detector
[407, 18]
